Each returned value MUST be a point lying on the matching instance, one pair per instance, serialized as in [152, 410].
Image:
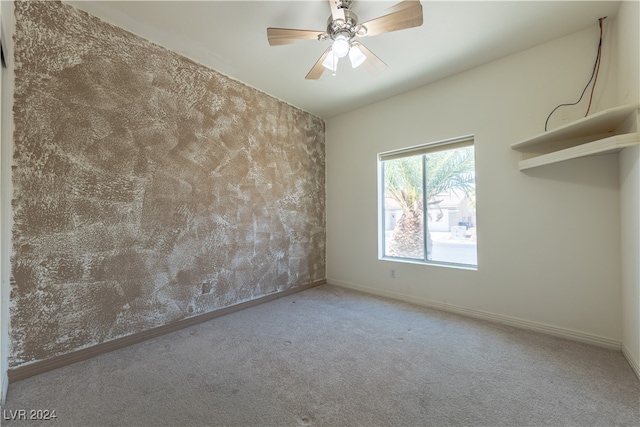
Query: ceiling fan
[343, 27]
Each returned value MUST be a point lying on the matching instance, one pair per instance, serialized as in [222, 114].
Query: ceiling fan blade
[280, 36]
[336, 13]
[317, 70]
[373, 64]
[406, 14]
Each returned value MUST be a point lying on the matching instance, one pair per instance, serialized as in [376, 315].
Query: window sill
[468, 267]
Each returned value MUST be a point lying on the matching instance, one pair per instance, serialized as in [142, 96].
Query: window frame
[422, 149]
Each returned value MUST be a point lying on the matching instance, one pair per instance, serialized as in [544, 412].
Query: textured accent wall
[147, 188]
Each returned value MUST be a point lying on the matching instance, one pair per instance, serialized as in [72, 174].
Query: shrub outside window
[428, 202]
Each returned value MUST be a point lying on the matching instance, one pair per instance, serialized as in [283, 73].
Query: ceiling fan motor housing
[349, 27]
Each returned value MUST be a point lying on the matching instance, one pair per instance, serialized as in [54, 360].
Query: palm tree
[450, 170]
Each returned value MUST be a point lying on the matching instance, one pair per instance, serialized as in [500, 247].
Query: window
[428, 202]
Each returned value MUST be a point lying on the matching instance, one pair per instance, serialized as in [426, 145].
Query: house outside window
[427, 203]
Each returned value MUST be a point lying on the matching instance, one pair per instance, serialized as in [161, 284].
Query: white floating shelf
[597, 123]
[611, 144]
[604, 132]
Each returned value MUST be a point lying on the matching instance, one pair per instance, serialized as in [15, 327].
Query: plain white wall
[630, 236]
[628, 38]
[548, 239]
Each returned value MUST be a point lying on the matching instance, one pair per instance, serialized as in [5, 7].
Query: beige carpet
[333, 357]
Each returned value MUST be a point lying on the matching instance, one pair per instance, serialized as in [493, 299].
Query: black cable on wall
[594, 78]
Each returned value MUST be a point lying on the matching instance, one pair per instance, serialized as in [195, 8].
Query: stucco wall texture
[147, 188]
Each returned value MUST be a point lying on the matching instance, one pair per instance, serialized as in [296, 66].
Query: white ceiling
[230, 36]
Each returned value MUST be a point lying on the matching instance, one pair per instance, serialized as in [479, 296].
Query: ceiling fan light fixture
[356, 56]
[331, 63]
[340, 46]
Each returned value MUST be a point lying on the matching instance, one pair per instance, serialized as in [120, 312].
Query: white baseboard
[478, 314]
[635, 365]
